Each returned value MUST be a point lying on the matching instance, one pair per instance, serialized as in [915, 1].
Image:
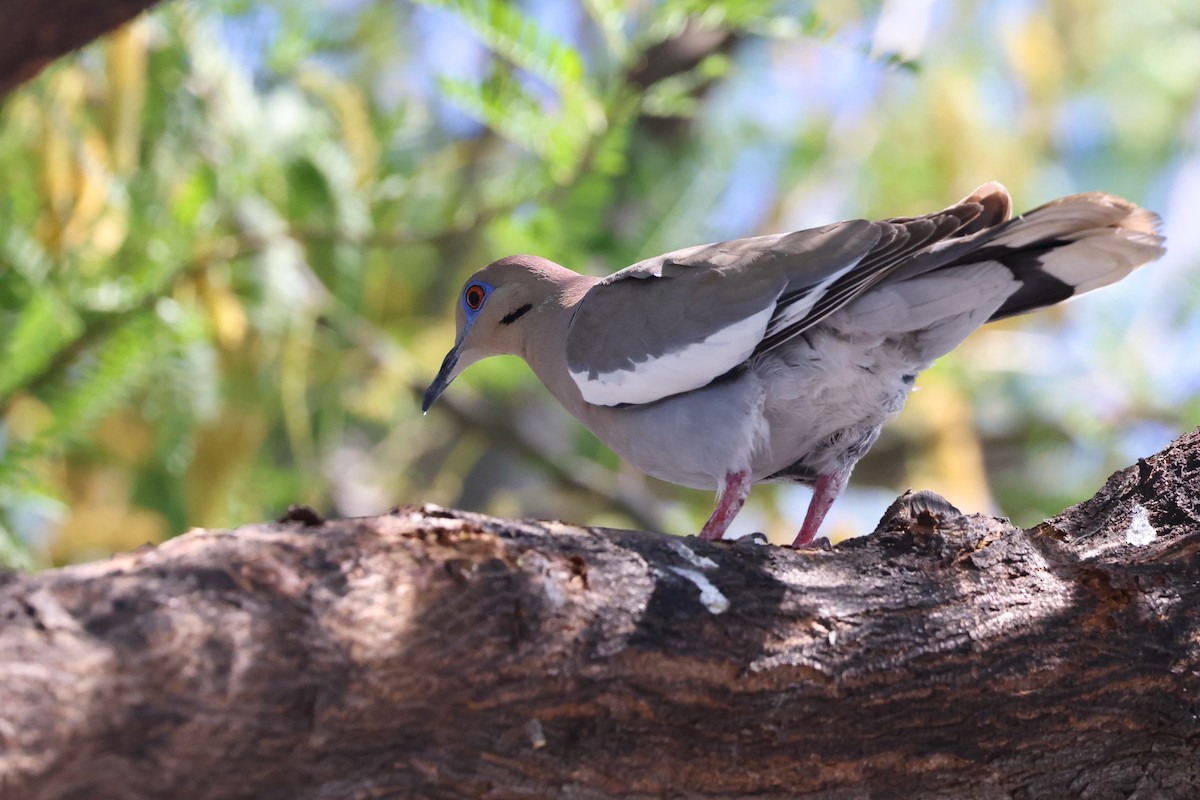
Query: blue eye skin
[474, 296]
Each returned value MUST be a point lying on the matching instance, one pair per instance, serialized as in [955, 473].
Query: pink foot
[732, 497]
[824, 493]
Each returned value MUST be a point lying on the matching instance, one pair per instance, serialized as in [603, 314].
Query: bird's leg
[824, 493]
[730, 499]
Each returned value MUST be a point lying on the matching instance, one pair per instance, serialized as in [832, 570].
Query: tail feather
[1070, 246]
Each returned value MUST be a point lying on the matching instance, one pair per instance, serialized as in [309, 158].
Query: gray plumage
[780, 357]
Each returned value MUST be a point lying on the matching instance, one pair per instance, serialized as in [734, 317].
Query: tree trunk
[433, 653]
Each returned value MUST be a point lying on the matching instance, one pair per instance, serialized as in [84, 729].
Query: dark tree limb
[34, 34]
[433, 653]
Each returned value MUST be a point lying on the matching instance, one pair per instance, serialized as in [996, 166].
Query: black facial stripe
[512, 317]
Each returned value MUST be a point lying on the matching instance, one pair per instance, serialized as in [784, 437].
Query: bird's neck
[546, 351]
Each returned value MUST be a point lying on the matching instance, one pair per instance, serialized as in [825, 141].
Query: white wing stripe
[682, 371]
[798, 309]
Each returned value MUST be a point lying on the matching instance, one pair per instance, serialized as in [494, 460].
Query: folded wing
[679, 321]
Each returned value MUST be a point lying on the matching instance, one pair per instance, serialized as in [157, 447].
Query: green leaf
[104, 377]
[501, 104]
[42, 328]
[611, 20]
[520, 40]
[14, 554]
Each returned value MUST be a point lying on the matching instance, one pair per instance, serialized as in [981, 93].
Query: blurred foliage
[232, 232]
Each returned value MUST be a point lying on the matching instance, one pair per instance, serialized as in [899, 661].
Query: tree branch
[34, 34]
[433, 653]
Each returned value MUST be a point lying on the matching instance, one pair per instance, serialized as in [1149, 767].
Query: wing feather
[675, 323]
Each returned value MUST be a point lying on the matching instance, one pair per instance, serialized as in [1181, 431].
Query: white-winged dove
[779, 358]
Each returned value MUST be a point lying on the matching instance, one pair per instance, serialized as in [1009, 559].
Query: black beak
[443, 378]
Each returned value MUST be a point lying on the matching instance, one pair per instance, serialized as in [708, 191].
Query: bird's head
[493, 312]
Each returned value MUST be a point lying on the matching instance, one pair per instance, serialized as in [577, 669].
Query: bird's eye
[473, 296]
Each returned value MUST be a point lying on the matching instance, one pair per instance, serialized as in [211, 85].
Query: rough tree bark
[433, 653]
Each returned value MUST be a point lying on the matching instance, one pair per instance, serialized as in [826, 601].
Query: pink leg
[824, 493]
[730, 501]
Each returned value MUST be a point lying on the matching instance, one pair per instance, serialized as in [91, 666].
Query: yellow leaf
[224, 308]
[92, 177]
[126, 71]
[951, 455]
[349, 104]
[27, 417]
[224, 449]
[127, 436]
[1035, 51]
[102, 519]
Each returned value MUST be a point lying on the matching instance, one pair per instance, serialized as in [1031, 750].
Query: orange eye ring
[474, 296]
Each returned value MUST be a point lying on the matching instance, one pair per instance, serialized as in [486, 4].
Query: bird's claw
[819, 543]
